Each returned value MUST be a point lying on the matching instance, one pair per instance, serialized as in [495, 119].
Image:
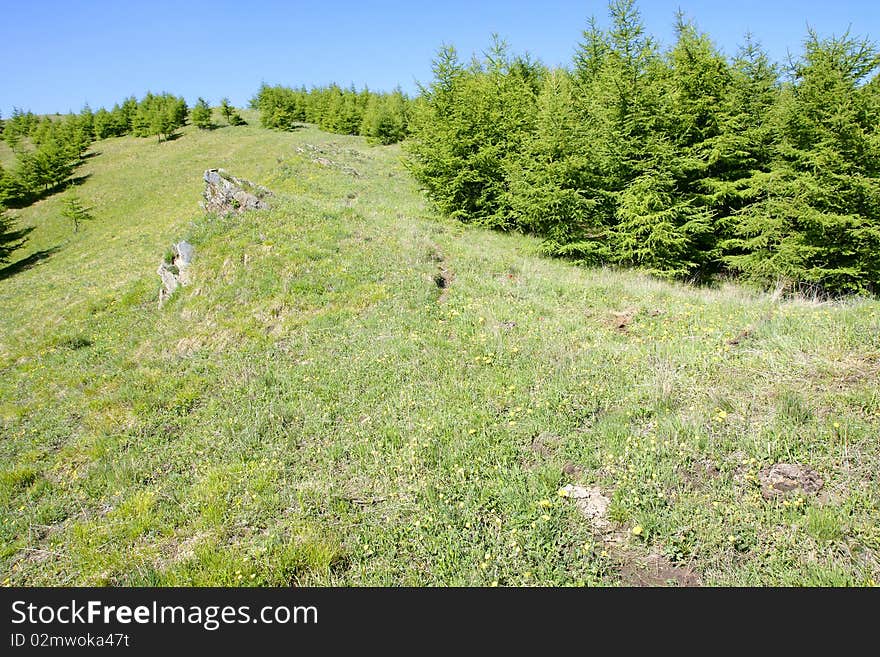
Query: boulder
[225, 194]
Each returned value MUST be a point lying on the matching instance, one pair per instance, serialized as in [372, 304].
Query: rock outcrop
[225, 194]
[174, 271]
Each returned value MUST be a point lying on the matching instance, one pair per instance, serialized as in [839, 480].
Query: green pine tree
[201, 115]
[816, 217]
[74, 210]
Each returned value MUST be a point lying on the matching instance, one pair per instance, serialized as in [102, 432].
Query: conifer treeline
[682, 161]
[380, 117]
[49, 148]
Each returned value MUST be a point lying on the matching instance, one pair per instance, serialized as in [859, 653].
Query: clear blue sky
[57, 55]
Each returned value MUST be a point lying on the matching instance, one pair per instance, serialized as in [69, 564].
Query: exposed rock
[590, 502]
[185, 253]
[176, 271]
[225, 194]
[783, 479]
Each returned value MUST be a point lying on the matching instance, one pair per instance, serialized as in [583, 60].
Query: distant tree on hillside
[159, 115]
[45, 168]
[75, 211]
[4, 185]
[226, 110]
[384, 119]
[17, 126]
[381, 117]
[230, 114]
[201, 115]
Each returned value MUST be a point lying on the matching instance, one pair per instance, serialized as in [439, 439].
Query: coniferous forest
[682, 160]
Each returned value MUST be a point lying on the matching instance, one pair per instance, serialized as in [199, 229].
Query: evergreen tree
[816, 218]
[470, 127]
[5, 186]
[158, 115]
[201, 115]
[384, 119]
[666, 218]
[554, 191]
[74, 210]
[226, 110]
[232, 117]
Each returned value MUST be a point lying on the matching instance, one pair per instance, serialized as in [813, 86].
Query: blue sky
[56, 56]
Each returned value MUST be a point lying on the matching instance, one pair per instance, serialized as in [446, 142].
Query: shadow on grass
[26, 263]
[25, 201]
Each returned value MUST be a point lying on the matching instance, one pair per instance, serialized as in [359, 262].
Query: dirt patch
[443, 279]
[749, 330]
[745, 334]
[592, 504]
[434, 254]
[545, 444]
[621, 320]
[655, 570]
[635, 568]
[700, 473]
[847, 372]
[787, 479]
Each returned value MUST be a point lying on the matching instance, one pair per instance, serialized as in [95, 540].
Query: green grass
[311, 411]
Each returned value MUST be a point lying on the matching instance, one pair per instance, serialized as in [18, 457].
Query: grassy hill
[316, 409]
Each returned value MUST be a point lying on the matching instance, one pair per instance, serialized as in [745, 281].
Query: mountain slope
[355, 391]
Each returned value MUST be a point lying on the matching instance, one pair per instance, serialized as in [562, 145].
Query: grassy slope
[308, 412]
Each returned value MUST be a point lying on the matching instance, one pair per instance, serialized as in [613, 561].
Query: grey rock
[185, 252]
[176, 272]
[225, 194]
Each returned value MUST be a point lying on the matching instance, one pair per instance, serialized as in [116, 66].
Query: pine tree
[816, 218]
[667, 218]
[232, 117]
[226, 110]
[554, 191]
[201, 115]
[75, 211]
[470, 127]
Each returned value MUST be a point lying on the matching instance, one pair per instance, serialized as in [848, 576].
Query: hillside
[355, 391]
